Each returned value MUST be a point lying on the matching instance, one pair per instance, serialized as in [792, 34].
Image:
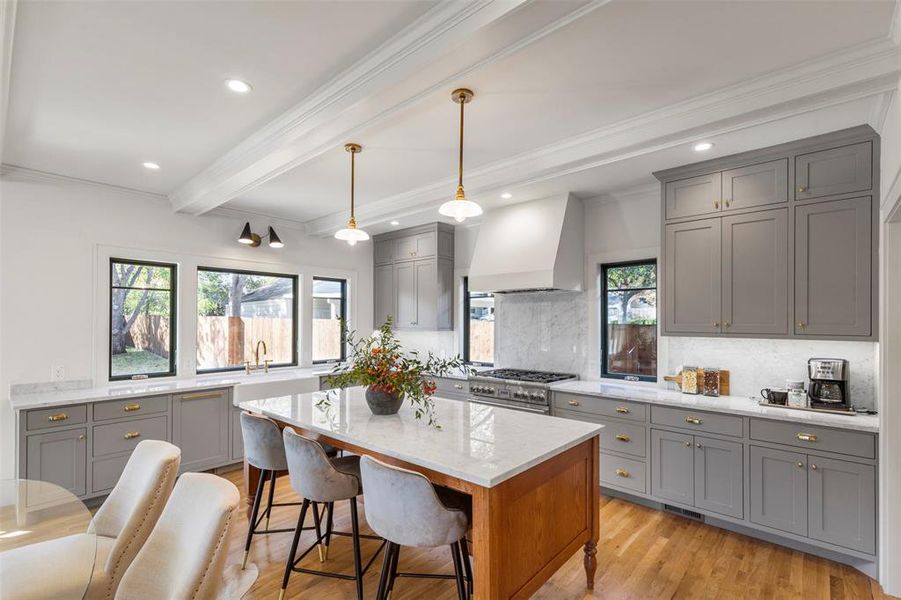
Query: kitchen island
[534, 479]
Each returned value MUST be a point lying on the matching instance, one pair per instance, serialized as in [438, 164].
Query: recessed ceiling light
[703, 146]
[152, 166]
[395, 223]
[506, 195]
[238, 86]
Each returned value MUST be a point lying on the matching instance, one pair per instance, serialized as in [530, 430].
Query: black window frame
[343, 357]
[294, 316]
[466, 307]
[173, 319]
[605, 374]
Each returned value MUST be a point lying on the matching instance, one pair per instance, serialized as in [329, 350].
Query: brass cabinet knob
[693, 420]
[716, 323]
[574, 403]
[81, 437]
[698, 445]
[807, 437]
[688, 444]
[622, 437]
[132, 435]
[727, 324]
[728, 203]
[802, 189]
[132, 407]
[57, 417]
[813, 466]
[802, 324]
[622, 409]
[800, 465]
[716, 204]
[623, 473]
[458, 386]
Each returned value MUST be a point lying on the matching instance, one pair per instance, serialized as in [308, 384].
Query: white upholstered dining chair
[128, 515]
[185, 555]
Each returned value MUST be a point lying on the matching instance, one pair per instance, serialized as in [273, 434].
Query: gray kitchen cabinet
[385, 294]
[405, 279]
[834, 259]
[426, 294]
[417, 246]
[200, 428]
[834, 171]
[693, 196]
[842, 503]
[59, 457]
[236, 436]
[672, 466]
[756, 185]
[693, 289]
[755, 272]
[778, 483]
[719, 476]
[383, 252]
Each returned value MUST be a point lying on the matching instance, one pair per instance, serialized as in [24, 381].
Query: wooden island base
[523, 529]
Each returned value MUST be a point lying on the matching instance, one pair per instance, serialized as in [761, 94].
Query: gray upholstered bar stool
[265, 450]
[407, 510]
[321, 479]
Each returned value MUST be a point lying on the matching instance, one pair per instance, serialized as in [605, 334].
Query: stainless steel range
[518, 389]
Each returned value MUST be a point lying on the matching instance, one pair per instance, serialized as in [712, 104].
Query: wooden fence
[151, 333]
[481, 341]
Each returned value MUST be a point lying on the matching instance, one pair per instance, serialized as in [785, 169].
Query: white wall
[54, 237]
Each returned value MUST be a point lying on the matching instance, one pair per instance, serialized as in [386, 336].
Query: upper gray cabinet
[834, 256]
[755, 272]
[834, 171]
[694, 196]
[743, 255]
[756, 185]
[413, 282]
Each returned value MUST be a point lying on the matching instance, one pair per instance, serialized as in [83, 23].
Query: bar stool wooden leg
[297, 531]
[258, 497]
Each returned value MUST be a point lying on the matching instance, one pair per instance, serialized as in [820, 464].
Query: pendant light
[351, 234]
[460, 208]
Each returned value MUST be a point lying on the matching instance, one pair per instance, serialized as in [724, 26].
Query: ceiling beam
[870, 69]
[7, 29]
[386, 81]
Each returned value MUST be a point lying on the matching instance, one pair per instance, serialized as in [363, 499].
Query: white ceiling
[122, 83]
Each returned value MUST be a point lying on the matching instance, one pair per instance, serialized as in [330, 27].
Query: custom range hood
[530, 247]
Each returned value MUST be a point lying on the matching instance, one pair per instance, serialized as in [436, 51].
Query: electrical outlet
[57, 373]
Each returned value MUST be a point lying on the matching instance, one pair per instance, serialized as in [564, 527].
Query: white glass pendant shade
[351, 234]
[460, 210]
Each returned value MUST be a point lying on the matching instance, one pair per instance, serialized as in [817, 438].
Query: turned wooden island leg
[591, 546]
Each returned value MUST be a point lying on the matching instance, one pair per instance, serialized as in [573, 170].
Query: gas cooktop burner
[525, 375]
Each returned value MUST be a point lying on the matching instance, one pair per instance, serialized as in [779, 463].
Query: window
[142, 319]
[629, 314]
[241, 311]
[478, 326]
[329, 319]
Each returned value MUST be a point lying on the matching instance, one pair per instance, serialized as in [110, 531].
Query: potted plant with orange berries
[391, 375]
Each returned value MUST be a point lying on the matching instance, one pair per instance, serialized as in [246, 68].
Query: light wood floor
[642, 553]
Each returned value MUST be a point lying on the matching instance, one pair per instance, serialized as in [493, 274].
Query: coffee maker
[829, 387]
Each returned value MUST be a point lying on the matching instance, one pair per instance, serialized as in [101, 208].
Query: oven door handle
[541, 411]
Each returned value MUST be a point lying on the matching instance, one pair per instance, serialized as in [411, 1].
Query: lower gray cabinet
[237, 435]
[59, 457]
[842, 503]
[718, 476]
[778, 482]
[200, 428]
[672, 466]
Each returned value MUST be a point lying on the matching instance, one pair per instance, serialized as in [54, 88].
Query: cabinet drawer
[623, 472]
[124, 436]
[133, 407]
[448, 387]
[105, 472]
[841, 441]
[616, 436]
[607, 407]
[56, 417]
[696, 421]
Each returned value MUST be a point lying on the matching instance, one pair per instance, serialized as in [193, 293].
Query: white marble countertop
[734, 405]
[45, 396]
[480, 444]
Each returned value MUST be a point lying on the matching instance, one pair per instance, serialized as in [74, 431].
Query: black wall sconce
[254, 239]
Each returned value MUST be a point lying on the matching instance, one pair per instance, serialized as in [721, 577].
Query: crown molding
[894, 32]
[16, 173]
[866, 70]
[7, 33]
[879, 113]
[313, 125]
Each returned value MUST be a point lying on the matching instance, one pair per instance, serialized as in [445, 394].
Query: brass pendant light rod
[353, 149]
[461, 96]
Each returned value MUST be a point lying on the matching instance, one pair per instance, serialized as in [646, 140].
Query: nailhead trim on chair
[214, 554]
[156, 496]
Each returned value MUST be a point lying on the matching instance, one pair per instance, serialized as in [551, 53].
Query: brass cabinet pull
[132, 435]
[693, 420]
[623, 473]
[58, 417]
[622, 409]
[132, 407]
[807, 437]
[574, 403]
[623, 437]
[800, 465]
[202, 395]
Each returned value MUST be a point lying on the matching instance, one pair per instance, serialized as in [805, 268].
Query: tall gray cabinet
[779, 242]
[414, 277]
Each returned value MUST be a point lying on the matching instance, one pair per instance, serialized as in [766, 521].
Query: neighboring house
[273, 301]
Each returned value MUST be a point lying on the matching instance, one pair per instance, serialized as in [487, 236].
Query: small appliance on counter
[707, 381]
[830, 384]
